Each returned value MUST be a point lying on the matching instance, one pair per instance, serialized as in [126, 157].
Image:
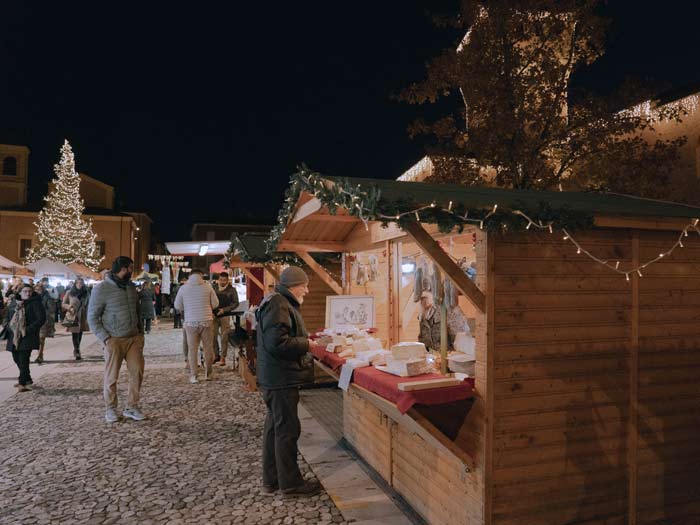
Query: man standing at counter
[283, 365]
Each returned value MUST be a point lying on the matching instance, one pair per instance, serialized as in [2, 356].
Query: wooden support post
[633, 421]
[252, 277]
[320, 271]
[432, 249]
[393, 270]
[272, 271]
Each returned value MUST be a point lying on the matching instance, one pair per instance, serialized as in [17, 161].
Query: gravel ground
[196, 459]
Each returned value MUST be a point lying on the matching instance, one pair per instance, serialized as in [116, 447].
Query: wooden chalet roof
[310, 221]
[589, 202]
[250, 247]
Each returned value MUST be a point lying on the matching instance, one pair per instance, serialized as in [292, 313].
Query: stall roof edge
[480, 196]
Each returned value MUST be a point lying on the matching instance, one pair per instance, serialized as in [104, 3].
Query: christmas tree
[63, 234]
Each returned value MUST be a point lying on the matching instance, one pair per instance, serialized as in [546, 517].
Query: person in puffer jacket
[198, 300]
[282, 350]
[113, 316]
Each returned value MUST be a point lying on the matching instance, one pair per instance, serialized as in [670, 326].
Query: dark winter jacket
[282, 344]
[34, 316]
[49, 327]
[146, 307]
[228, 300]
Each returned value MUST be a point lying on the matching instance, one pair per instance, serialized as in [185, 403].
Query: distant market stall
[584, 311]
[249, 253]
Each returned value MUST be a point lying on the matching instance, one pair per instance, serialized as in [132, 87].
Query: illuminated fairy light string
[548, 226]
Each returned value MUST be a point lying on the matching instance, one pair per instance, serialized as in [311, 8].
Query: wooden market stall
[586, 309]
[249, 252]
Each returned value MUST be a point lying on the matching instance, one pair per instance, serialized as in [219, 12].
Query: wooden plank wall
[596, 416]
[561, 346]
[668, 444]
[314, 308]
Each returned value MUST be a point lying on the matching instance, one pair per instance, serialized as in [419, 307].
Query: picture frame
[350, 311]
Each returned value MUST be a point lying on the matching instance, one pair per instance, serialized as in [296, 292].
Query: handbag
[70, 319]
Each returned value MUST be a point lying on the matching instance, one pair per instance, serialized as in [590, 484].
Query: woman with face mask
[28, 316]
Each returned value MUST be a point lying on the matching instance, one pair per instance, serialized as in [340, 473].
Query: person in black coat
[28, 316]
[283, 366]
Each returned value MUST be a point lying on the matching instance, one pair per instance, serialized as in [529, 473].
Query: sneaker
[133, 413]
[111, 416]
[77, 357]
[269, 490]
[23, 388]
[193, 380]
[222, 362]
[308, 489]
[38, 360]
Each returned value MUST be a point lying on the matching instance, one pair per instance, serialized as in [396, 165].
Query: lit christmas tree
[63, 234]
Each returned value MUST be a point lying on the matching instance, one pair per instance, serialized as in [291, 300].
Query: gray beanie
[293, 276]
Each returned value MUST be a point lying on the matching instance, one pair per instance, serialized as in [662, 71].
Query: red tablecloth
[387, 386]
[330, 359]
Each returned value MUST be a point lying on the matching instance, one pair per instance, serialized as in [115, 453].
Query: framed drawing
[349, 311]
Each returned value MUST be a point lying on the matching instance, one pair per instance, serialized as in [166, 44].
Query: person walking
[28, 316]
[197, 300]
[146, 309]
[228, 302]
[48, 329]
[283, 365]
[75, 306]
[114, 317]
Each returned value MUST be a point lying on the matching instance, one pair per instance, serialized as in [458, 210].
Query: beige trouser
[222, 325]
[118, 349]
[195, 334]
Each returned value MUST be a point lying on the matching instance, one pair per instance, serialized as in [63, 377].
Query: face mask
[127, 276]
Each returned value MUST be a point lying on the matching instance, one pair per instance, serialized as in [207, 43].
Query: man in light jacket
[113, 316]
[198, 300]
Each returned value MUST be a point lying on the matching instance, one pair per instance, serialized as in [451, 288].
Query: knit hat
[293, 276]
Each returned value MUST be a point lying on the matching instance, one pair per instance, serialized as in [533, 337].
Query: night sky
[200, 114]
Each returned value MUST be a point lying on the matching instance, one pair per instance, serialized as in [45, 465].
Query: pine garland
[367, 204]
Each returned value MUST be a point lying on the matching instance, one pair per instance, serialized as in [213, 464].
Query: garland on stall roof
[367, 205]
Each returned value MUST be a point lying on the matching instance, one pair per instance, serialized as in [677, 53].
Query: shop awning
[84, 271]
[48, 268]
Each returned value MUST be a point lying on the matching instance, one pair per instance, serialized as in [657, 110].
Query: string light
[449, 206]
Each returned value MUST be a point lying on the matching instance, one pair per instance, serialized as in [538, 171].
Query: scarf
[18, 324]
[121, 283]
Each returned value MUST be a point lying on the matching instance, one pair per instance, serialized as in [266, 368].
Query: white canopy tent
[48, 268]
[10, 268]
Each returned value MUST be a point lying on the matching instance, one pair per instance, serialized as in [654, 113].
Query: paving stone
[196, 458]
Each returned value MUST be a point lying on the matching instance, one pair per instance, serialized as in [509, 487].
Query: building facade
[117, 233]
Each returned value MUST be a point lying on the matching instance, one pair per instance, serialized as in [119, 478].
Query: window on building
[9, 166]
[101, 248]
[24, 247]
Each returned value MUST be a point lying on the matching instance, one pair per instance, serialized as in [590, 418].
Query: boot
[76, 354]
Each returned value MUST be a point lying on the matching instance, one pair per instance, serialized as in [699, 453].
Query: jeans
[222, 325]
[280, 435]
[22, 361]
[147, 325]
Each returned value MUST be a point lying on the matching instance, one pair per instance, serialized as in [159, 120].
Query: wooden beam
[327, 217]
[642, 223]
[310, 246]
[252, 277]
[320, 271]
[433, 250]
[633, 419]
[272, 271]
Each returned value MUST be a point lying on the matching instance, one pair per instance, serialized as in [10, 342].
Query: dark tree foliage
[515, 121]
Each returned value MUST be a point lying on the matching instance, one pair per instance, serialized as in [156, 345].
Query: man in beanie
[113, 316]
[283, 366]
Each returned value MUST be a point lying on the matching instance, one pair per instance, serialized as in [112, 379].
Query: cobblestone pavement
[196, 459]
